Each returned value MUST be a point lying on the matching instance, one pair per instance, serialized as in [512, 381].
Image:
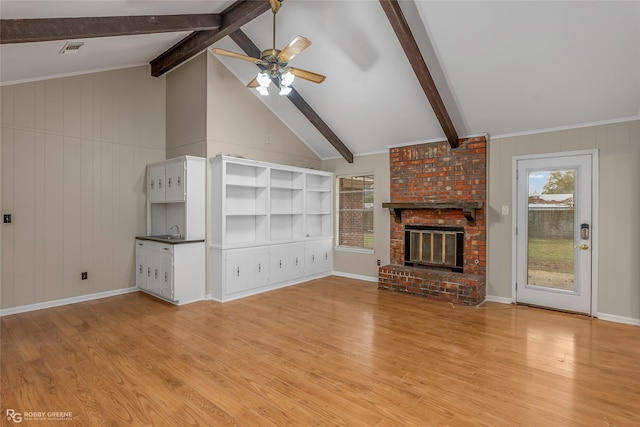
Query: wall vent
[71, 47]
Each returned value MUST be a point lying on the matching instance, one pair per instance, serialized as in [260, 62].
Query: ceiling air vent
[71, 47]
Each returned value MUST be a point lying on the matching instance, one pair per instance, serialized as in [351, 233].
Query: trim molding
[618, 319]
[65, 301]
[568, 127]
[356, 276]
[501, 300]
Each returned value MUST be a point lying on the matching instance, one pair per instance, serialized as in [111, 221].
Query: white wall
[74, 152]
[360, 263]
[187, 109]
[618, 226]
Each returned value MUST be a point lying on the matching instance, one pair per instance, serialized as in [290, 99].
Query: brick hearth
[437, 173]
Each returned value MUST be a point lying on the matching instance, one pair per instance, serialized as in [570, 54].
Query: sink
[167, 237]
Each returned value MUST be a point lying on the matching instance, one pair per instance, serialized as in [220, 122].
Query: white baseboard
[501, 300]
[65, 301]
[356, 276]
[618, 319]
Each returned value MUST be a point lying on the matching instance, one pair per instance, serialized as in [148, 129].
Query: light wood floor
[329, 352]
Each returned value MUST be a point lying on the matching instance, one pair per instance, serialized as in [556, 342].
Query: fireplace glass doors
[434, 247]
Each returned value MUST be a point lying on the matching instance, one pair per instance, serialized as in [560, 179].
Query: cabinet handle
[152, 184]
[169, 182]
[238, 271]
[140, 270]
[296, 260]
[280, 263]
[313, 258]
[178, 181]
[165, 249]
[326, 256]
[159, 183]
[156, 273]
[148, 271]
[165, 277]
[259, 267]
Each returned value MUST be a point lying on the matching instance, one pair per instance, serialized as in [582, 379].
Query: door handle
[583, 246]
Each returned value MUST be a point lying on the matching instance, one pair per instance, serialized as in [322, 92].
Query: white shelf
[266, 222]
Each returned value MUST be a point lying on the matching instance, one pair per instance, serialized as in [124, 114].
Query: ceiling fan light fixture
[287, 78]
[263, 79]
[285, 90]
[262, 90]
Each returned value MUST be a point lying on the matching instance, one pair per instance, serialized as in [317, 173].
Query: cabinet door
[141, 264]
[246, 269]
[154, 271]
[319, 257]
[175, 185]
[141, 270]
[156, 183]
[166, 276]
[286, 262]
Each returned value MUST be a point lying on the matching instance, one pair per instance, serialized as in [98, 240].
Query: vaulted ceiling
[499, 67]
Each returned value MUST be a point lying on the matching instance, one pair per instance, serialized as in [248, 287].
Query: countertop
[172, 240]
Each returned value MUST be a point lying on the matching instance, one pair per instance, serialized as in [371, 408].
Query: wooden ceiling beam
[234, 17]
[49, 29]
[245, 43]
[412, 51]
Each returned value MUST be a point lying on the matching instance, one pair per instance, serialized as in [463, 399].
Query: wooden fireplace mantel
[468, 208]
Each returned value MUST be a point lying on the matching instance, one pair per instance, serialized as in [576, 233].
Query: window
[355, 211]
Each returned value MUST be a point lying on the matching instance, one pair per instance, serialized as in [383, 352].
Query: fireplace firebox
[434, 247]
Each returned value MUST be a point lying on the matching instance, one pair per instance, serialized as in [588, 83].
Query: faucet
[177, 230]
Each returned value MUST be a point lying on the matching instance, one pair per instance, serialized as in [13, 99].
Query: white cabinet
[286, 262]
[262, 216]
[174, 269]
[318, 257]
[246, 269]
[166, 181]
[174, 272]
[176, 197]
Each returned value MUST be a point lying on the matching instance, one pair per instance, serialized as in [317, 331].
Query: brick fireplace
[434, 185]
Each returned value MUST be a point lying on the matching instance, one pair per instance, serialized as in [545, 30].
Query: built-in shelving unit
[265, 219]
[170, 259]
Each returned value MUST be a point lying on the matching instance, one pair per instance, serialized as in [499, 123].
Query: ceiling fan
[275, 63]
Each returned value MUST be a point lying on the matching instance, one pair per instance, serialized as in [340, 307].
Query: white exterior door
[554, 230]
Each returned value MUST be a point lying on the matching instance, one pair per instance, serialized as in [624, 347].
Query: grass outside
[551, 255]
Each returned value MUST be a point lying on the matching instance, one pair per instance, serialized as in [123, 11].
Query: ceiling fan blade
[296, 46]
[253, 83]
[234, 55]
[307, 75]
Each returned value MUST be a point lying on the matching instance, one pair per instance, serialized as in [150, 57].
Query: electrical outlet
[505, 210]
[84, 275]
[378, 262]
[7, 218]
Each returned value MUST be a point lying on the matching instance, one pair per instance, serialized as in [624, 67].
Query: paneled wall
[618, 228]
[74, 152]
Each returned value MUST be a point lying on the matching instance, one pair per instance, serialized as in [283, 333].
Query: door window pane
[551, 228]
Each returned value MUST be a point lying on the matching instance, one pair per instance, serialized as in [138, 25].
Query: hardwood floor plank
[332, 351]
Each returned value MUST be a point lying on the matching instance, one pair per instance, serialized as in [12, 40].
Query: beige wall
[74, 152]
[618, 226]
[358, 263]
[187, 109]
[240, 125]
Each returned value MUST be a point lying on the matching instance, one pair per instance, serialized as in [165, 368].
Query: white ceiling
[501, 67]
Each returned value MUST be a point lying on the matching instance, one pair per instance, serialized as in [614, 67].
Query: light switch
[505, 210]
